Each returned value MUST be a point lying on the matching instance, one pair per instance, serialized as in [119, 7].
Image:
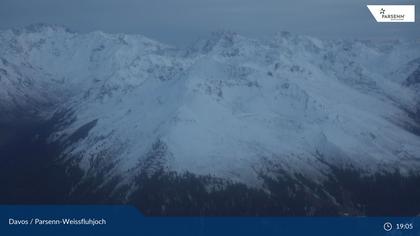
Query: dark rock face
[417, 113]
[28, 170]
[413, 78]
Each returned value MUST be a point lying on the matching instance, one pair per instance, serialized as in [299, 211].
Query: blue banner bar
[124, 220]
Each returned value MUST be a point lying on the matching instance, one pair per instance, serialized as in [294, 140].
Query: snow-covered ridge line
[228, 106]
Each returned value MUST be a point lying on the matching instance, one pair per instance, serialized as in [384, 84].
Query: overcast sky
[181, 21]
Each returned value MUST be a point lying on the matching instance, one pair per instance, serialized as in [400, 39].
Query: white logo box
[393, 13]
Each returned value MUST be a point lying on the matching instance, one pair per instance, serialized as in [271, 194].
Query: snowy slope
[229, 106]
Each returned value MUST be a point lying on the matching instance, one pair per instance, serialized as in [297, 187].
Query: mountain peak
[41, 28]
[223, 38]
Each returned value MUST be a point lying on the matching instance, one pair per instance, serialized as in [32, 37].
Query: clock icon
[387, 226]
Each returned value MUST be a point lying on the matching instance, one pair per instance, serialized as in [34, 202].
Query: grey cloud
[181, 21]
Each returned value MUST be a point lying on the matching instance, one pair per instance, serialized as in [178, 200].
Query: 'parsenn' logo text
[393, 13]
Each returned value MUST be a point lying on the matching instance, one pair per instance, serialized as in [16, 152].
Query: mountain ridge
[229, 107]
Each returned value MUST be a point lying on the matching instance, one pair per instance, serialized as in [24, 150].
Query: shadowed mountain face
[31, 174]
[27, 172]
[284, 126]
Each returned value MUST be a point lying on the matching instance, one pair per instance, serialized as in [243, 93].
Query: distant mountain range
[229, 108]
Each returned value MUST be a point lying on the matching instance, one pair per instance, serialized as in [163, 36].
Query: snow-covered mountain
[229, 107]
